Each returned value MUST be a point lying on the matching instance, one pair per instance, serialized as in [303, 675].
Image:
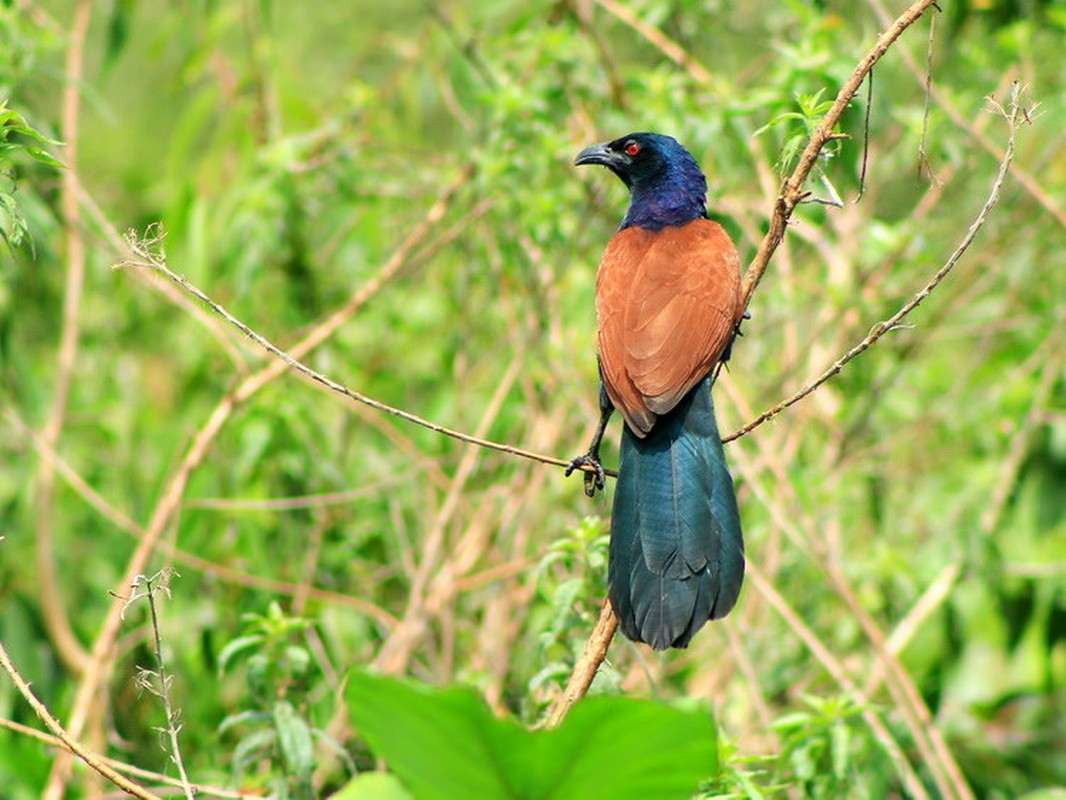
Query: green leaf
[43, 157]
[373, 786]
[446, 744]
[118, 29]
[294, 737]
[242, 718]
[250, 748]
[839, 737]
[238, 645]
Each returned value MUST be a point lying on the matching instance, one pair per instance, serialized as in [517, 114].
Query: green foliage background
[914, 507]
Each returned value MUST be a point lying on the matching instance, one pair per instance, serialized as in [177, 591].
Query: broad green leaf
[373, 786]
[442, 745]
[624, 747]
[446, 744]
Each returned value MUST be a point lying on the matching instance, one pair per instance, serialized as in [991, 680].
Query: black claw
[595, 478]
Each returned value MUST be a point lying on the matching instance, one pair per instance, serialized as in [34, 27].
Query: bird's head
[665, 183]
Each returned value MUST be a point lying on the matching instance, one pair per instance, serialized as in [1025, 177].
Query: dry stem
[69, 742]
[70, 650]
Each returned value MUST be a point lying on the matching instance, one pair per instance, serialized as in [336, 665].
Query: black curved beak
[596, 154]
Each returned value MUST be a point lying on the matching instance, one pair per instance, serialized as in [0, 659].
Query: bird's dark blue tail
[677, 555]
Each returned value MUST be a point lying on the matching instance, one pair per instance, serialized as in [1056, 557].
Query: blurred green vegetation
[907, 522]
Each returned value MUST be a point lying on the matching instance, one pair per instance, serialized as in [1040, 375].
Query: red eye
[632, 148]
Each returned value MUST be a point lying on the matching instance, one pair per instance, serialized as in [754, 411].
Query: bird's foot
[595, 478]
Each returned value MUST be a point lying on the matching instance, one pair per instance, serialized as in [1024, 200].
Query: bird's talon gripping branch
[595, 478]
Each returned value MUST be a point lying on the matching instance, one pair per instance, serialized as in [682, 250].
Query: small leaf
[118, 30]
[249, 748]
[839, 738]
[43, 157]
[294, 736]
[238, 645]
[233, 720]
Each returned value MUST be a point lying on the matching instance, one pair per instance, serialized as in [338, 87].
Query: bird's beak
[596, 154]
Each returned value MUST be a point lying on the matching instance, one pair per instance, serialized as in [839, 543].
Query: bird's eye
[632, 148]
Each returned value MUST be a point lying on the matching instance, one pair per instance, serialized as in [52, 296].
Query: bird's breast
[668, 303]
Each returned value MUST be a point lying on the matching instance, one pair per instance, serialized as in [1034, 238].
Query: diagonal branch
[1014, 116]
[790, 196]
[69, 742]
[202, 789]
[170, 500]
[147, 259]
[792, 193]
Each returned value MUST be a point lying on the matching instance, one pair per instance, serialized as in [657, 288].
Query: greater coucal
[668, 303]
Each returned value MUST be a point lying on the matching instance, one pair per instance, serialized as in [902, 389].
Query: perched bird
[668, 303]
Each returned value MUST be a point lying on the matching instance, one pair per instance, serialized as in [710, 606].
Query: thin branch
[71, 652]
[226, 340]
[666, 45]
[1015, 118]
[923, 155]
[792, 192]
[880, 731]
[866, 134]
[928, 739]
[394, 655]
[147, 259]
[1007, 480]
[160, 583]
[124, 523]
[127, 769]
[1020, 174]
[94, 761]
[581, 13]
[170, 500]
[934, 596]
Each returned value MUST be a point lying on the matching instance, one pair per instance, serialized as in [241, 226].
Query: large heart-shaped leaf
[446, 744]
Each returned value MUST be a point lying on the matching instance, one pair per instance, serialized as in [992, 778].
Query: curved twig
[71, 651]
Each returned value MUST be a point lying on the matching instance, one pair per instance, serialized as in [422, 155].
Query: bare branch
[71, 651]
[148, 258]
[94, 761]
[170, 499]
[1015, 118]
[792, 190]
[123, 767]
[586, 667]
[148, 587]
[791, 195]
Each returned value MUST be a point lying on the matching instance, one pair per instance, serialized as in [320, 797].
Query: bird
[668, 306]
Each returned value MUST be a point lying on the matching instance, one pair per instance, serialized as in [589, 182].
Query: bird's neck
[676, 198]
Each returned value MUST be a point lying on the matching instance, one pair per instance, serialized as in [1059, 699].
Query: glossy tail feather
[677, 554]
